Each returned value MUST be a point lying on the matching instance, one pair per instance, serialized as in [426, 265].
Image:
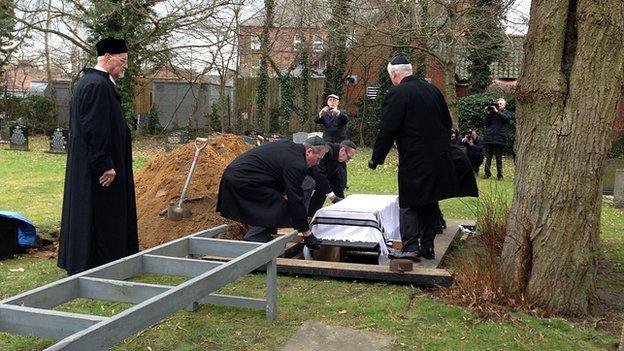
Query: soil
[159, 184]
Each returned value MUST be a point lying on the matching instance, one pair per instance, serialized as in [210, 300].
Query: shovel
[177, 212]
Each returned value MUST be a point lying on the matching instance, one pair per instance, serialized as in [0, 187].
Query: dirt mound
[159, 184]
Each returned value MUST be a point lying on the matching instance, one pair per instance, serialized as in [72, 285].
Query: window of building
[317, 43]
[372, 91]
[255, 42]
[297, 42]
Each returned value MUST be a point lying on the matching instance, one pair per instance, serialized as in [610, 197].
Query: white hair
[502, 100]
[406, 67]
[100, 58]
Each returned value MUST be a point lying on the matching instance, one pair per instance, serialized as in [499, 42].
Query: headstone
[178, 137]
[318, 134]
[618, 189]
[300, 137]
[18, 138]
[58, 141]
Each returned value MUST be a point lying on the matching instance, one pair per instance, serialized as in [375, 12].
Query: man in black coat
[474, 149]
[416, 117]
[328, 177]
[262, 188]
[334, 120]
[99, 221]
[495, 137]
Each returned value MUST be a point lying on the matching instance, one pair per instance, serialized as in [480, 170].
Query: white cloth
[359, 218]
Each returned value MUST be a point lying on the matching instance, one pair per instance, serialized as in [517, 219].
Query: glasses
[123, 60]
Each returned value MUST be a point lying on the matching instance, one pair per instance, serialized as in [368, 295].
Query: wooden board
[419, 276]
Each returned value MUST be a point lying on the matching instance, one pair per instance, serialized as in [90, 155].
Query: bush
[363, 126]
[471, 113]
[38, 113]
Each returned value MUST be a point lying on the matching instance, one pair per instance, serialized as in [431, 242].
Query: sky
[517, 17]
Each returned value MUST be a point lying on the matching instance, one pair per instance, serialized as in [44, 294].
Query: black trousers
[259, 234]
[418, 225]
[497, 151]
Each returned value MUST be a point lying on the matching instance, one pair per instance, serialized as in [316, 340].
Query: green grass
[31, 183]
[410, 315]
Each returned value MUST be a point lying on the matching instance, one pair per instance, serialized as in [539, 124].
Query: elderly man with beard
[99, 220]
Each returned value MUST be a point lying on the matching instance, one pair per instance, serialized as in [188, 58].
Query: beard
[122, 74]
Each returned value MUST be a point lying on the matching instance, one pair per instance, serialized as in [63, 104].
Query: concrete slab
[314, 336]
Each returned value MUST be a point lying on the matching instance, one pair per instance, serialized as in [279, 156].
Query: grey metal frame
[30, 313]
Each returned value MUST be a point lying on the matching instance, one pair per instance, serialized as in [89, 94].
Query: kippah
[400, 59]
[111, 46]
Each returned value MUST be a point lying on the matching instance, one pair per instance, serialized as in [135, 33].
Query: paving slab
[314, 336]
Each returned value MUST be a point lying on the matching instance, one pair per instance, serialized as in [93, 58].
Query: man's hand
[372, 165]
[335, 199]
[107, 177]
[323, 110]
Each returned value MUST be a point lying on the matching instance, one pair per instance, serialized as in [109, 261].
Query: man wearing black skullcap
[416, 117]
[262, 188]
[99, 221]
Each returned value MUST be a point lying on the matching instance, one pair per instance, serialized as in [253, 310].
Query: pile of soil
[159, 184]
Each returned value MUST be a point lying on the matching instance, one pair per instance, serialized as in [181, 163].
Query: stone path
[314, 336]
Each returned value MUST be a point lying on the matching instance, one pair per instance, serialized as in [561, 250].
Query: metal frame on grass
[31, 313]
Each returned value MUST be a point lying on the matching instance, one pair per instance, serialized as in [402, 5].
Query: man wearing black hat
[99, 221]
[262, 188]
[334, 120]
[328, 175]
[416, 117]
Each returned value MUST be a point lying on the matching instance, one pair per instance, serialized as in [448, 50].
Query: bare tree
[567, 101]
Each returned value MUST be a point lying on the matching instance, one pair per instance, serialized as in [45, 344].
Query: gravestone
[18, 138]
[618, 189]
[58, 141]
[178, 137]
[300, 137]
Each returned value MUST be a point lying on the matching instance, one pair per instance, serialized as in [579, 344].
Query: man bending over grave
[262, 188]
[328, 176]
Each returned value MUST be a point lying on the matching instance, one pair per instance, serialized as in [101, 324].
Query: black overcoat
[496, 128]
[415, 115]
[253, 186]
[99, 224]
[464, 173]
[327, 173]
[334, 127]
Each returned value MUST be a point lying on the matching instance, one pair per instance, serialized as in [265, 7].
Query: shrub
[38, 113]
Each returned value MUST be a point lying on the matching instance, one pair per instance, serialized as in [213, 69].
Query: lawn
[32, 183]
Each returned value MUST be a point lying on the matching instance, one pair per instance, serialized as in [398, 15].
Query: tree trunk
[449, 81]
[567, 96]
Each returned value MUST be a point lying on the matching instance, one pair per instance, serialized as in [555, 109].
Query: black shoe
[487, 176]
[408, 255]
[438, 230]
[312, 242]
[500, 177]
[428, 253]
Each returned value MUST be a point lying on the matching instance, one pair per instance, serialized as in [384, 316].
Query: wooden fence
[246, 111]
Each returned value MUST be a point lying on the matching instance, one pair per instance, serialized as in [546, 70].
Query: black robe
[328, 177]
[253, 186]
[99, 224]
[415, 115]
